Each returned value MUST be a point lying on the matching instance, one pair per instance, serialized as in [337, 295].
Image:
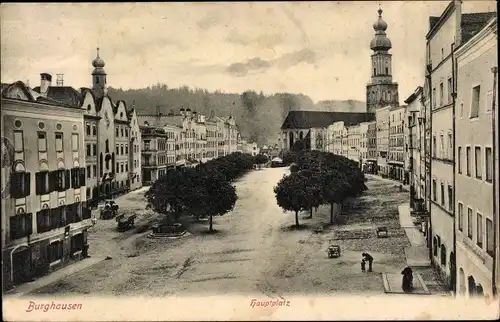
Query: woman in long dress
[407, 279]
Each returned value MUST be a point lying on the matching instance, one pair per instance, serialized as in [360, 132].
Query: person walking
[367, 257]
[407, 279]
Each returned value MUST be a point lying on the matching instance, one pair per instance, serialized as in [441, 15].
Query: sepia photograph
[293, 160]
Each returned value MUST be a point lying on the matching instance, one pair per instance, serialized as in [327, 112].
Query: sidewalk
[417, 253]
[53, 277]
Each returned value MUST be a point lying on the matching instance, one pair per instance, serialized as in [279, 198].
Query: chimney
[45, 83]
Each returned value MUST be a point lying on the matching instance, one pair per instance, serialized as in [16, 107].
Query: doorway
[21, 265]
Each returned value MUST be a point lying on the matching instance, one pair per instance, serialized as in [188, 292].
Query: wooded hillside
[258, 116]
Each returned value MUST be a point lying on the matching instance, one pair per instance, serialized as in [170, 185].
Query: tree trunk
[297, 219]
[210, 225]
[310, 213]
[331, 213]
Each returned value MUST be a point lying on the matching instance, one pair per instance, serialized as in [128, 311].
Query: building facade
[44, 214]
[476, 217]
[371, 139]
[382, 123]
[154, 153]
[354, 143]
[396, 149]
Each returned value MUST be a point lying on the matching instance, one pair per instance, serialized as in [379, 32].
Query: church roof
[315, 119]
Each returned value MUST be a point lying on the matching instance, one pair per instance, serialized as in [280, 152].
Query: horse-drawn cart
[125, 221]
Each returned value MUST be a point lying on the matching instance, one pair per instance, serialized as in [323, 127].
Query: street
[254, 250]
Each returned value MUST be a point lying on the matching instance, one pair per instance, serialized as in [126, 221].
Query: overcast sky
[320, 49]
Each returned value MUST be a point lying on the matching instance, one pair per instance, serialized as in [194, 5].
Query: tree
[335, 188]
[167, 195]
[221, 198]
[260, 159]
[293, 194]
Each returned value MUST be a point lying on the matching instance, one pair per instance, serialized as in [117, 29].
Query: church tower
[381, 90]
[99, 77]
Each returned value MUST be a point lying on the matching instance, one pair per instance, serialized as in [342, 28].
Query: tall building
[44, 213]
[476, 108]
[382, 117]
[381, 90]
[396, 148]
[371, 148]
[447, 32]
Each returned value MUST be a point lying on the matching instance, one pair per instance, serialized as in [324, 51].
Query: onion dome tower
[99, 76]
[381, 91]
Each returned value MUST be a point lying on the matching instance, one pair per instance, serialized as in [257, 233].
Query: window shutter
[52, 181]
[39, 183]
[67, 177]
[14, 184]
[83, 177]
[26, 184]
[13, 227]
[29, 223]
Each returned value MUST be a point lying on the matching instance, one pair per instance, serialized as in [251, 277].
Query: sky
[320, 49]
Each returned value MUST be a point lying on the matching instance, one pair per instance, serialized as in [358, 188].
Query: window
[43, 221]
[126, 166]
[59, 142]
[450, 90]
[474, 109]
[126, 148]
[74, 142]
[121, 132]
[94, 129]
[94, 169]
[18, 141]
[468, 160]
[441, 147]
[126, 132]
[20, 226]
[42, 142]
[55, 251]
[489, 237]
[107, 145]
[20, 184]
[442, 194]
[434, 190]
[479, 226]
[387, 71]
[88, 150]
[122, 167]
[89, 173]
[478, 162]
[434, 98]
[94, 149]
[450, 146]
[117, 132]
[117, 149]
[469, 223]
[450, 198]
[117, 167]
[121, 149]
[87, 128]
[489, 164]
[434, 143]
[441, 94]
[459, 160]
[60, 180]
[42, 183]
[76, 243]
[443, 255]
[460, 217]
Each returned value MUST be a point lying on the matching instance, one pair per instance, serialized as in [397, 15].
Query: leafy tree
[260, 159]
[221, 198]
[294, 194]
[335, 189]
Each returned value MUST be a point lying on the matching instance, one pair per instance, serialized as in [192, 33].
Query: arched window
[443, 255]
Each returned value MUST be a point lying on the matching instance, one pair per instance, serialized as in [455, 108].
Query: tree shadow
[294, 227]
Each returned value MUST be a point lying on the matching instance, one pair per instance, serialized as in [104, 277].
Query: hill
[258, 116]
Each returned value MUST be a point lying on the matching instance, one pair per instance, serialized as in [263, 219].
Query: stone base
[393, 284]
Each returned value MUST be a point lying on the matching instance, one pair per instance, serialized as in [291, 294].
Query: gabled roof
[32, 95]
[64, 94]
[315, 119]
[472, 23]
